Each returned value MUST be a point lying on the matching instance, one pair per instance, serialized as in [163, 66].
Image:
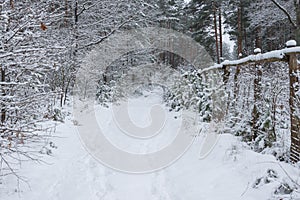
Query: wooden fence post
[295, 120]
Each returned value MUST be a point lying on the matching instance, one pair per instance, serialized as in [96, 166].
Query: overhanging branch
[285, 12]
[105, 37]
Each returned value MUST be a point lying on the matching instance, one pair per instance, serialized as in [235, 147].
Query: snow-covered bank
[231, 171]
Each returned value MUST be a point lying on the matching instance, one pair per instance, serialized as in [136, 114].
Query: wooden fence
[289, 56]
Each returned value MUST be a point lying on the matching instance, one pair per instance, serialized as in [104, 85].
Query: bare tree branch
[105, 37]
[285, 12]
[86, 8]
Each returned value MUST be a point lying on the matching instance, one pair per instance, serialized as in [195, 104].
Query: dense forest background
[43, 43]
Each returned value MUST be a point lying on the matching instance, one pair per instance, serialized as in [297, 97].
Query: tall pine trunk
[216, 31]
[240, 32]
[66, 13]
[239, 52]
[297, 31]
[3, 112]
[220, 32]
[257, 101]
[295, 119]
[258, 41]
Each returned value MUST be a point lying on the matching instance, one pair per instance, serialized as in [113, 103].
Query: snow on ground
[229, 172]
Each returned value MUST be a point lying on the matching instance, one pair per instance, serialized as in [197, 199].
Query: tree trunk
[66, 12]
[257, 100]
[221, 32]
[240, 51]
[67, 90]
[3, 111]
[12, 4]
[216, 32]
[295, 120]
[297, 31]
[240, 33]
[258, 42]
[62, 88]
[76, 12]
[236, 85]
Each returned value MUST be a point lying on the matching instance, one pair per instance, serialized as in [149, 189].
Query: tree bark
[240, 51]
[258, 42]
[257, 101]
[236, 85]
[3, 111]
[12, 4]
[66, 12]
[76, 12]
[240, 32]
[220, 32]
[295, 120]
[216, 32]
[297, 31]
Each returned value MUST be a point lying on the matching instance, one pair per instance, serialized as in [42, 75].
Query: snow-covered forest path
[229, 172]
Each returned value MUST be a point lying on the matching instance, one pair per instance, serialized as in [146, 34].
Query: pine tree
[191, 92]
[200, 24]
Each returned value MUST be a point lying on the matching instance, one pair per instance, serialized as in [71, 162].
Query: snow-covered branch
[272, 56]
[84, 8]
[285, 12]
[107, 36]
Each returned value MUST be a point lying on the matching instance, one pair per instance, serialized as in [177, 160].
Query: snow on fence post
[294, 88]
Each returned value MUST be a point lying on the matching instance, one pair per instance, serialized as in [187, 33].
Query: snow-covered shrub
[109, 92]
[104, 94]
[57, 115]
[271, 176]
[283, 189]
[191, 92]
